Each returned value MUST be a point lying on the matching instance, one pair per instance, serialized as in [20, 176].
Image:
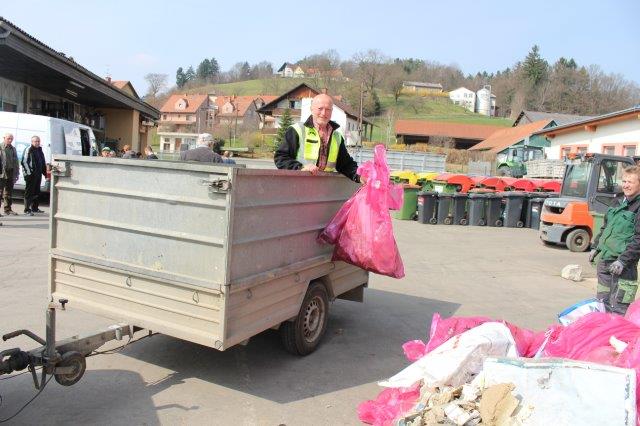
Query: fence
[402, 160]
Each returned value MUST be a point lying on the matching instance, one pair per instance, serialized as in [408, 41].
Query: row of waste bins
[476, 208]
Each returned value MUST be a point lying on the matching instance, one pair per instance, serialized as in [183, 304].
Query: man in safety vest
[617, 247]
[316, 145]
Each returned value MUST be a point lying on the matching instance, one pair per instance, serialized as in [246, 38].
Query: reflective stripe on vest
[311, 148]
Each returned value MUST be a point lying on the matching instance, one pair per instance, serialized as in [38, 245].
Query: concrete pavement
[502, 273]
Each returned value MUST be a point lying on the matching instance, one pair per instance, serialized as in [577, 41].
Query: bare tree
[157, 82]
[395, 75]
[370, 67]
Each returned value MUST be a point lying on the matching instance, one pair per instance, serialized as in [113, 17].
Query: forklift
[590, 185]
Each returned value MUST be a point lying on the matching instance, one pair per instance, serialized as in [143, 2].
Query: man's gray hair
[204, 139]
[6, 135]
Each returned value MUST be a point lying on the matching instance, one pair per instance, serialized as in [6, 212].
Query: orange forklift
[591, 183]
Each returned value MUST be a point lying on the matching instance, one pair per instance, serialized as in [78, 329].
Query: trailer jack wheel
[72, 367]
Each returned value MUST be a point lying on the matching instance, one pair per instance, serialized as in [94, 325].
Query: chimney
[109, 78]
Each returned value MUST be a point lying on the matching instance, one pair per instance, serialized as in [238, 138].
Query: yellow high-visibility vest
[309, 141]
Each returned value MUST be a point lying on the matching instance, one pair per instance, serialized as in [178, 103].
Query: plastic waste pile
[475, 370]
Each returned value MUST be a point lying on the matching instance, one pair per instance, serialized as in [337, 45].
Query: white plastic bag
[454, 362]
[574, 312]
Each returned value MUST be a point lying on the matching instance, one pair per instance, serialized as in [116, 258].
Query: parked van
[57, 136]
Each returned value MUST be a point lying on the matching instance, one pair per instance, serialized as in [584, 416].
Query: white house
[347, 121]
[617, 133]
[463, 97]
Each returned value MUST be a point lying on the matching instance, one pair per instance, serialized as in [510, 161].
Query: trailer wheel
[302, 336]
[578, 240]
[77, 362]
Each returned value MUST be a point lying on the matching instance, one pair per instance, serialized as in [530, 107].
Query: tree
[190, 75]
[395, 76]
[157, 82]
[181, 78]
[370, 67]
[215, 68]
[285, 122]
[535, 68]
[204, 70]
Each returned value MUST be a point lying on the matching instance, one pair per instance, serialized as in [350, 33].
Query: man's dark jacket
[287, 153]
[202, 153]
[33, 162]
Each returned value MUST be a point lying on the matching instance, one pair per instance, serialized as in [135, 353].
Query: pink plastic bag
[361, 230]
[389, 405]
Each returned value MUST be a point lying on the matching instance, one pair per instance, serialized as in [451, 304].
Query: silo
[483, 101]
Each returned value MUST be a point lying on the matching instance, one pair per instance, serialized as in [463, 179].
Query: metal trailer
[212, 254]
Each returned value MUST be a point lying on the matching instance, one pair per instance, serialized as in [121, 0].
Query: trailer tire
[75, 360]
[302, 336]
[578, 240]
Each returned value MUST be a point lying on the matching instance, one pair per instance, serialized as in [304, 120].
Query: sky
[128, 39]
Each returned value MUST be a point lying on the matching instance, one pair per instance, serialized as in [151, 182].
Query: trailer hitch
[64, 360]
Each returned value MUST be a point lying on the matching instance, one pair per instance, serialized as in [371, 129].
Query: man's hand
[592, 255]
[311, 168]
[616, 267]
[363, 180]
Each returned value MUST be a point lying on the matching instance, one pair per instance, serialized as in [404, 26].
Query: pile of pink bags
[361, 230]
[587, 339]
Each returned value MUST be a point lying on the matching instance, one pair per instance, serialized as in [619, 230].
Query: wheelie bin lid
[427, 193]
[525, 185]
[478, 194]
[513, 194]
[494, 182]
[427, 175]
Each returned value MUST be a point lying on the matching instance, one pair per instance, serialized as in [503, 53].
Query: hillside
[407, 107]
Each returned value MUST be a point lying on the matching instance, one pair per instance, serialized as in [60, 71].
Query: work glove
[592, 255]
[616, 267]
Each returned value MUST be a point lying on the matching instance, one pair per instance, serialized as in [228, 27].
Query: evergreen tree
[535, 68]
[285, 122]
[190, 75]
[204, 70]
[215, 68]
[181, 79]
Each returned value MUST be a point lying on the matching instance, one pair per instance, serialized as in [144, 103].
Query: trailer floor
[501, 273]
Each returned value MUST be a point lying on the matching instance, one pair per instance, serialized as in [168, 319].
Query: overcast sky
[128, 39]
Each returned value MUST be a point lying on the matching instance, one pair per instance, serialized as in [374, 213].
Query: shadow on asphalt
[363, 344]
[23, 225]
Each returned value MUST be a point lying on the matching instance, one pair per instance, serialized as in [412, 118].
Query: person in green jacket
[617, 247]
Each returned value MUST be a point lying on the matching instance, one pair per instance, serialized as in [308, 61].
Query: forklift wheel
[77, 362]
[578, 240]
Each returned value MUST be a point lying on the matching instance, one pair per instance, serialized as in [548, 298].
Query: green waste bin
[409, 203]
[598, 220]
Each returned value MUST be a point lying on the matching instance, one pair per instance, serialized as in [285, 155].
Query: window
[166, 140]
[564, 152]
[610, 176]
[7, 107]
[292, 104]
[582, 150]
[164, 116]
[609, 150]
[166, 146]
[629, 150]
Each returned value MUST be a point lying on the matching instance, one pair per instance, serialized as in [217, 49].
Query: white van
[57, 136]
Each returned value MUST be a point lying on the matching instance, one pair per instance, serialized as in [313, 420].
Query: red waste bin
[526, 185]
[551, 186]
[495, 183]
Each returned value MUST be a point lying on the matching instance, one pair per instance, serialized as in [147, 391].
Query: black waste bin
[514, 201]
[460, 208]
[476, 209]
[493, 212]
[444, 208]
[533, 212]
[427, 207]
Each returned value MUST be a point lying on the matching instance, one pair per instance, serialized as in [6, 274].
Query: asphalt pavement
[498, 272]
